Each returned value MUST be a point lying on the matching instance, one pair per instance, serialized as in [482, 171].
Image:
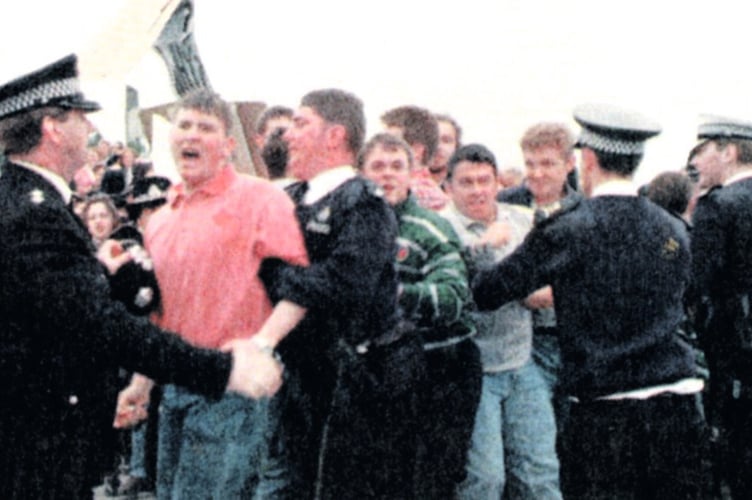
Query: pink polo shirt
[207, 247]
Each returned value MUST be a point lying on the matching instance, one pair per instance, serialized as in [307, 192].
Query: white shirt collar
[741, 175]
[615, 188]
[326, 182]
[57, 182]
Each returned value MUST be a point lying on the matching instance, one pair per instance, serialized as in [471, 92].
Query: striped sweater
[434, 296]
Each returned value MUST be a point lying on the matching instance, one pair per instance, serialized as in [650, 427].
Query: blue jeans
[514, 439]
[138, 451]
[209, 449]
[547, 355]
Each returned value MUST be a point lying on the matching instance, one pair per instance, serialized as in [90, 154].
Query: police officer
[722, 274]
[618, 265]
[352, 376]
[63, 337]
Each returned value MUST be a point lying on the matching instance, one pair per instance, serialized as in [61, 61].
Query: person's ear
[229, 146]
[50, 129]
[335, 135]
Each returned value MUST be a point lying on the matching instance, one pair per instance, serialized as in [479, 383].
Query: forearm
[141, 383]
[540, 299]
[441, 302]
[285, 316]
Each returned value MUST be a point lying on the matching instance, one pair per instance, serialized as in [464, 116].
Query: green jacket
[435, 296]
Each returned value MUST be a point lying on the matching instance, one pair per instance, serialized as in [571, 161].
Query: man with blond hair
[548, 151]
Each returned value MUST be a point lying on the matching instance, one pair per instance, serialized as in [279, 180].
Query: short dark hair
[21, 133]
[671, 190]
[275, 154]
[341, 108]
[617, 163]
[474, 153]
[208, 102]
[743, 148]
[419, 126]
[271, 113]
[388, 142]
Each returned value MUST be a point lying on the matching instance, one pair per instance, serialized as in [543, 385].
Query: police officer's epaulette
[566, 205]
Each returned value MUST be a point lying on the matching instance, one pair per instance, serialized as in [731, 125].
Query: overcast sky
[498, 66]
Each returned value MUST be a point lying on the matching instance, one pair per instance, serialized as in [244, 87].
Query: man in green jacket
[435, 302]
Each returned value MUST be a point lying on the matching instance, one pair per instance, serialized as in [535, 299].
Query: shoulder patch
[670, 249]
[567, 205]
[36, 196]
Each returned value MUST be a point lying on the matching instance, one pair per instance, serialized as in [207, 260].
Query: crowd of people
[388, 317]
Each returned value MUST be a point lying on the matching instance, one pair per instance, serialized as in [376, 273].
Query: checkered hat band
[609, 144]
[725, 130]
[40, 95]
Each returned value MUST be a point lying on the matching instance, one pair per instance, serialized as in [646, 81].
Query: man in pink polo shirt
[207, 244]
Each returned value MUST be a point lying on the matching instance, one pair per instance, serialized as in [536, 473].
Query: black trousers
[635, 449]
[737, 454]
[351, 433]
[447, 410]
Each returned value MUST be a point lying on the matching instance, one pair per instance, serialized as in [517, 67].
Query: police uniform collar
[57, 181]
[738, 176]
[615, 188]
[327, 181]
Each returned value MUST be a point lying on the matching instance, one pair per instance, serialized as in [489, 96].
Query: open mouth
[189, 154]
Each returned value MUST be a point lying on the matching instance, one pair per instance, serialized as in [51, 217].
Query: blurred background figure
[271, 120]
[671, 190]
[275, 155]
[100, 217]
[269, 137]
[450, 135]
[418, 127]
[510, 176]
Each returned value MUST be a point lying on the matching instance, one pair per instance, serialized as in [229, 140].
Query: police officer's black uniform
[63, 337]
[721, 293]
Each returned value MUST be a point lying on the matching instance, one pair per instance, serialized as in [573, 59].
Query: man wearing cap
[618, 266]
[722, 283]
[63, 337]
